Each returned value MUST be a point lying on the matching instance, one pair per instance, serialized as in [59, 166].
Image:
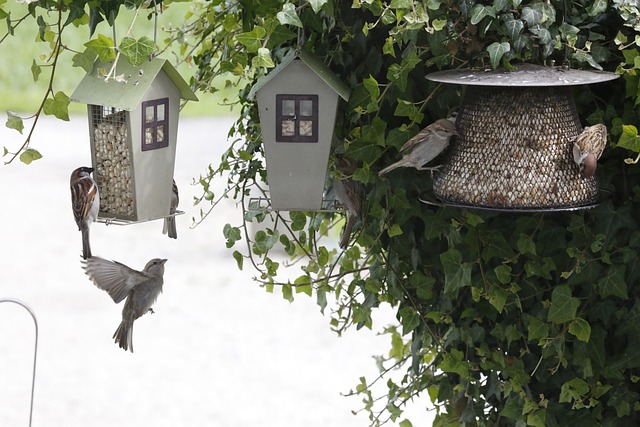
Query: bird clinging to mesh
[588, 148]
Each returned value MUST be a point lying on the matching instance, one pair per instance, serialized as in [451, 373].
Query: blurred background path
[219, 351]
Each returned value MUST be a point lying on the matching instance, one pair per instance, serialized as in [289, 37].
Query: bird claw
[430, 168]
[151, 311]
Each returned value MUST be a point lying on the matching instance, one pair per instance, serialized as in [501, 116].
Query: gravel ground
[219, 351]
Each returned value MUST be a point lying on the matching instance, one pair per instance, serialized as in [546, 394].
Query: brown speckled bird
[425, 146]
[349, 194]
[588, 148]
[140, 288]
[170, 222]
[85, 202]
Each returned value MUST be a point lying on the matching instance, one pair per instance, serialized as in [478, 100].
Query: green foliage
[503, 318]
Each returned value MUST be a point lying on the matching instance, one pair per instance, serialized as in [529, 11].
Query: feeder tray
[514, 149]
[121, 221]
[259, 204]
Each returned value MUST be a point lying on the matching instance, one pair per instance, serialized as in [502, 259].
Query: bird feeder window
[297, 118]
[155, 124]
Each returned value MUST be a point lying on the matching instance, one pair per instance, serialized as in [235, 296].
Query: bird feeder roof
[525, 75]
[314, 64]
[126, 93]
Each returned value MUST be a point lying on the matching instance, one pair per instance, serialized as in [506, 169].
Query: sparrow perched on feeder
[349, 194]
[425, 146]
[85, 201]
[170, 222]
[588, 148]
[141, 288]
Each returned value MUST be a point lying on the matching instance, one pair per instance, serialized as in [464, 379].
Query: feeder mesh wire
[515, 151]
[112, 162]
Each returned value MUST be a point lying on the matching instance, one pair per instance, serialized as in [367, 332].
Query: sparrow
[140, 288]
[349, 194]
[425, 146]
[170, 222]
[588, 148]
[85, 201]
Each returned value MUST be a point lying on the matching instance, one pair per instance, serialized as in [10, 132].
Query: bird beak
[90, 170]
[163, 261]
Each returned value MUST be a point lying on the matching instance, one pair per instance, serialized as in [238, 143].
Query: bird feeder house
[133, 126]
[516, 133]
[297, 103]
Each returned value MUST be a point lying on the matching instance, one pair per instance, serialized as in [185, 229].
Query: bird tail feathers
[399, 164]
[170, 227]
[86, 247]
[124, 336]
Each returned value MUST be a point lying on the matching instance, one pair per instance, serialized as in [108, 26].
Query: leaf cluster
[502, 318]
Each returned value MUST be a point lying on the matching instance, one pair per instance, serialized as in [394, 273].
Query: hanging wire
[155, 21]
[35, 351]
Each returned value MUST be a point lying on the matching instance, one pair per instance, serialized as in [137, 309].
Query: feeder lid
[524, 75]
[315, 64]
[128, 93]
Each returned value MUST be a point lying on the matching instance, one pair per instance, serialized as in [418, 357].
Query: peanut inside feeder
[113, 162]
[516, 137]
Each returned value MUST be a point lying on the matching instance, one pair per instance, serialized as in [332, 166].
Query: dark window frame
[155, 124]
[297, 118]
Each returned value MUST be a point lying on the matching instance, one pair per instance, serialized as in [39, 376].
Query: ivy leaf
[480, 11]
[629, 138]
[85, 59]
[288, 16]
[613, 283]
[363, 151]
[514, 28]
[316, 5]
[581, 329]
[239, 259]
[503, 273]
[29, 155]
[57, 106]
[14, 122]
[456, 273]
[526, 245]
[232, 234]
[531, 16]
[263, 59]
[537, 329]
[287, 292]
[372, 87]
[597, 7]
[137, 51]
[563, 305]
[409, 318]
[252, 40]
[103, 47]
[395, 230]
[496, 51]
[35, 70]
[453, 362]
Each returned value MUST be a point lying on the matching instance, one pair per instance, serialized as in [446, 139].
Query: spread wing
[113, 277]
[418, 138]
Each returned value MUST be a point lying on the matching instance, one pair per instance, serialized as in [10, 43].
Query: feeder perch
[516, 132]
[297, 102]
[133, 127]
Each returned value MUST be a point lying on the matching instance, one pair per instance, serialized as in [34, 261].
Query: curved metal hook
[35, 351]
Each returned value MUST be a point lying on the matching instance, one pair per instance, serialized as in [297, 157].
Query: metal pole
[35, 351]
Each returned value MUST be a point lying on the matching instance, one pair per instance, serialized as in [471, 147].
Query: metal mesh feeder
[516, 132]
